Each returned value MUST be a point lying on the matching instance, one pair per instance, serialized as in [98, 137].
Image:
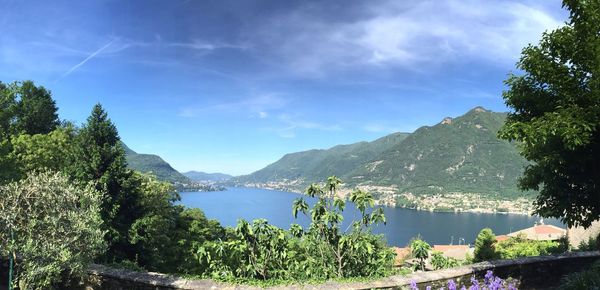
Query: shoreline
[433, 210]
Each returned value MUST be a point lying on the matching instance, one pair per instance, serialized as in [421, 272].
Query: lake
[402, 224]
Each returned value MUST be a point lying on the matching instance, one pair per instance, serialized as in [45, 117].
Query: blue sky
[231, 86]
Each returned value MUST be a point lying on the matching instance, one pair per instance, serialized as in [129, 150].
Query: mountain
[457, 155]
[315, 165]
[199, 176]
[155, 164]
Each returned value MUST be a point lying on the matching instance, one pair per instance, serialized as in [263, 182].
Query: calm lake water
[402, 224]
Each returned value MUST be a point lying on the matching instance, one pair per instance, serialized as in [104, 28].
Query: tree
[36, 111]
[52, 151]
[100, 158]
[52, 226]
[7, 115]
[420, 250]
[556, 116]
[485, 246]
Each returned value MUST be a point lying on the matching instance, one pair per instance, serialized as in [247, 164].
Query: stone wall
[532, 272]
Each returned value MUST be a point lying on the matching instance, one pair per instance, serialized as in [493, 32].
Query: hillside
[460, 155]
[199, 176]
[305, 167]
[155, 164]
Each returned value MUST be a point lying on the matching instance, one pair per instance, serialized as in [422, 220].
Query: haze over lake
[402, 224]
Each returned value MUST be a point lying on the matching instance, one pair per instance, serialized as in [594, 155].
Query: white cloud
[413, 36]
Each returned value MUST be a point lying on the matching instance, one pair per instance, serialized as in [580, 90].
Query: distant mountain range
[457, 155]
[199, 176]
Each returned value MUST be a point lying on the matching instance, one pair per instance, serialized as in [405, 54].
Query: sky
[232, 86]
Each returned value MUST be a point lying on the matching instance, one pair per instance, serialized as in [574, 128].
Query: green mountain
[316, 165]
[456, 155]
[199, 176]
[155, 164]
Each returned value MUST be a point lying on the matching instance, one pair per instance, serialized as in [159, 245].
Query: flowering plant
[490, 282]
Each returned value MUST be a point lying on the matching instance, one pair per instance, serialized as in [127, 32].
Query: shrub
[588, 279]
[258, 250]
[516, 247]
[420, 250]
[53, 227]
[485, 246]
[439, 261]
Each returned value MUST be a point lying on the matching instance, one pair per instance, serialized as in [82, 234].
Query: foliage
[166, 236]
[56, 227]
[586, 279]
[52, 151]
[100, 158]
[420, 250]
[592, 244]
[35, 111]
[485, 246]
[323, 251]
[490, 282]
[556, 116]
[517, 247]
[439, 261]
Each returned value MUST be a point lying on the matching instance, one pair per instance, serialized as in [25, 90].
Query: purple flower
[451, 285]
[511, 287]
[428, 288]
[463, 288]
[488, 278]
[413, 285]
[474, 284]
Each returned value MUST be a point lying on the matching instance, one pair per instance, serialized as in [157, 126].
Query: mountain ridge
[456, 155]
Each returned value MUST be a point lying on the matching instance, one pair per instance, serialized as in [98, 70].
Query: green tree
[7, 115]
[420, 250]
[100, 158]
[52, 151]
[52, 226]
[166, 236]
[556, 116]
[485, 246]
[36, 111]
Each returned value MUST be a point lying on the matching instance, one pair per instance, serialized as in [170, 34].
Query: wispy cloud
[413, 36]
[292, 123]
[258, 106]
[92, 55]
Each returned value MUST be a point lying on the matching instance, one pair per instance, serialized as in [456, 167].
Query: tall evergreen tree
[36, 111]
[101, 159]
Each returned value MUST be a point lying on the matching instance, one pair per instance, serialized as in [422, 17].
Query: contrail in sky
[85, 60]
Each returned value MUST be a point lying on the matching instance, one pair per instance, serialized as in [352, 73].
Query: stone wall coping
[168, 281]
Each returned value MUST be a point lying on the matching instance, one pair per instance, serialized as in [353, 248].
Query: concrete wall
[532, 272]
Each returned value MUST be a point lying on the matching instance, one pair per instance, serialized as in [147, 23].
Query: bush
[588, 279]
[485, 246]
[52, 226]
[517, 247]
[420, 249]
[439, 261]
[260, 251]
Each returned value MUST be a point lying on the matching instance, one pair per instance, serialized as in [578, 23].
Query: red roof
[444, 248]
[401, 255]
[501, 238]
[547, 229]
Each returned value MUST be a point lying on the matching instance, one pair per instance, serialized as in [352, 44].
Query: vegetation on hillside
[459, 155]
